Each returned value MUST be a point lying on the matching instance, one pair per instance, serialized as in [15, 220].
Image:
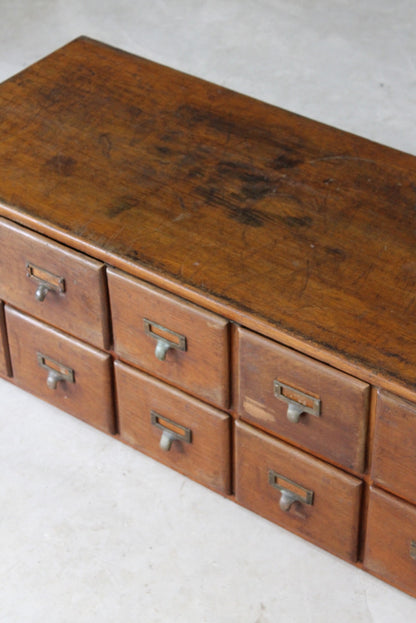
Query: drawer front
[390, 551]
[173, 428]
[170, 338]
[394, 455]
[301, 400]
[300, 493]
[61, 370]
[62, 287]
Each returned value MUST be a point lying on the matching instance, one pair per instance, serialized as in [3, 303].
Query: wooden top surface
[293, 228]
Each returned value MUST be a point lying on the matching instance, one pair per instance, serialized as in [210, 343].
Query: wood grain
[289, 225]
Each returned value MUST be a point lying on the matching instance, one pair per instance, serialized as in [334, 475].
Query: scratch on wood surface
[105, 144]
[257, 410]
[306, 277]
[341, 157]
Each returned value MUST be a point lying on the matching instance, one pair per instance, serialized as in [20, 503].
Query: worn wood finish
[5, 368]
[389, 552]
[205, 459]
[89, 398]
[338, 434]
[80, 309]
[288, 223]
[333, 518]
[202, 368]
[394, 456]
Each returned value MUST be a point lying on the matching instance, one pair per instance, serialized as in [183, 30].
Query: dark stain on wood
[134, 111]
[106, 144]
[195, 172]
[246, 215]
[62, 165]
[235, 207]
[298, 221]
[52, 95]
[123, 204]
[335, 253]
[193, 116]
[285, 161]
[254, 184]
[163, 150]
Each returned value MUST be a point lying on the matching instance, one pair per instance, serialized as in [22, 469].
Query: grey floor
[93, 532]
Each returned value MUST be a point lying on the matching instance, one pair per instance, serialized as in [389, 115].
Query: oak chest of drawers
[223, 285]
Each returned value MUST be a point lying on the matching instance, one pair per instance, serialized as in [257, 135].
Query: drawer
[173, 428]
[394, 454]
[390, 551]
[302, 401]
[170, 338]
[61, 370]
[302, 494]
[4, 348]
[53, 283]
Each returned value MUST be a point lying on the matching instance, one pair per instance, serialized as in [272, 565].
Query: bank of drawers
[283, 434]
[55, 342]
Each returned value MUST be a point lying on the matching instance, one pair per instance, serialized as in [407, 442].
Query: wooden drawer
[390, 551]
[394, 454]
[4, 347]
[271, 478]
[301, 400]
[147, 320]
[61, 370]
[53, 283]
[173, 428]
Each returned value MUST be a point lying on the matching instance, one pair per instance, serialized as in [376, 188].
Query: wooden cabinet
[221, 284]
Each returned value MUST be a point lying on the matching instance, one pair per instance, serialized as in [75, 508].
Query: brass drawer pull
[171, 431]
[57, 372]
[290, 491]
[413, 550]
[165, 338]
[46, 281]
[298, 402]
